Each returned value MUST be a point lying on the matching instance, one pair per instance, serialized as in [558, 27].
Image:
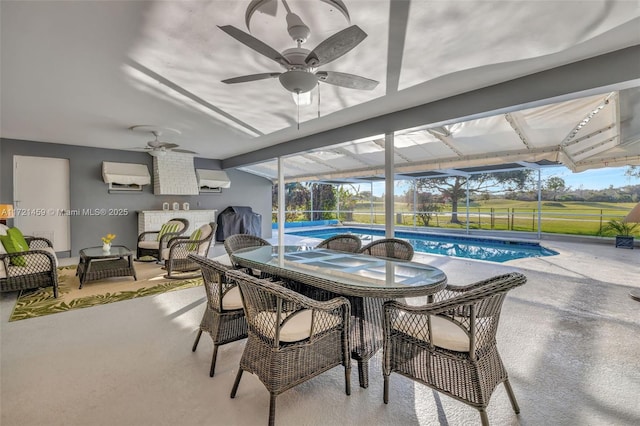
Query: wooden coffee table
[96, 264]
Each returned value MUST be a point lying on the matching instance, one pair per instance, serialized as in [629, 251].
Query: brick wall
[174, 174]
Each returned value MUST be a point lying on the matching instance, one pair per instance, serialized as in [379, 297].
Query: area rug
[31, 304]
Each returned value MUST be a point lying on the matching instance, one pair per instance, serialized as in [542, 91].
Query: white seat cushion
[224, 259]
[165, 254]
[149, 244]
[232, 299]
[296, 327]
[446, 334]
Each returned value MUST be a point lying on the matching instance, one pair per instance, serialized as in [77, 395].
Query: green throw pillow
[14, 242]
[168, 228]
[195, 236]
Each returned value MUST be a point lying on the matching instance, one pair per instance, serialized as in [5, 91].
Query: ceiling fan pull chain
[318, 99]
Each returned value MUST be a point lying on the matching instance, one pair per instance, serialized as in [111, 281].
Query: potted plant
[622, 230]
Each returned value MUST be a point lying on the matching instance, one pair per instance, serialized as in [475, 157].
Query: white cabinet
[152, 220]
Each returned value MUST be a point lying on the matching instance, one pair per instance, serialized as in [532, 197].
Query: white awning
[125, 173]
[213, 178]
[582, 134]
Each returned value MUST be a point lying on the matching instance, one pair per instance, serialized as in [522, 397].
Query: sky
[590, 179]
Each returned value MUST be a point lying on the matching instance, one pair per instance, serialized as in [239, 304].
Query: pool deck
[569, 338]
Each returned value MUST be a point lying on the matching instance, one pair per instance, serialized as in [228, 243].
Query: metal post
[371, 203]
[539, 203]
[415, 202]
[281, 203]
[311, 205]
[467, 204]
[389, 180]
[338, 200]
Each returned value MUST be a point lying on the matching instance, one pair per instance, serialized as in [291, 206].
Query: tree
[296, 199]
[633, 171]
[348, 198]
[427, 205]
[324, 198]
[555, 186]
[454, 188]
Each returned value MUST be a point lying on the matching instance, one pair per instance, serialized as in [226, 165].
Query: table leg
[366, 333]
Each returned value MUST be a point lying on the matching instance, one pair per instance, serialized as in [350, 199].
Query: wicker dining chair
[450, 344]
[176, 255]
[223, 317]
[393, 248]
[343, 242]
[239, 241]
[151, 243]
[292, 338]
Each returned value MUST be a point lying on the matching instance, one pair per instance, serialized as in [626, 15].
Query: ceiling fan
[301, 64]
[156, 147]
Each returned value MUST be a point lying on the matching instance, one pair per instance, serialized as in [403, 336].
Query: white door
[41, 198]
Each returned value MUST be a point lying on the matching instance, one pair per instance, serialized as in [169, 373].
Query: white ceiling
[83, 72]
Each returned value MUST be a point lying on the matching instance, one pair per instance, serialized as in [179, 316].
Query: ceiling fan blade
[251, 77]
[167, 145]
[346, 80]
[335, 46]
[184, 151]
[252, 42]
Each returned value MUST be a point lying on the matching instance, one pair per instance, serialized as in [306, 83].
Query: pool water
[489, 249]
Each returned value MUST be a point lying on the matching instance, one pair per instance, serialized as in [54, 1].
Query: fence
[588, 222]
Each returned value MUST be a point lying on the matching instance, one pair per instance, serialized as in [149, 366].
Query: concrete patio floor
[570, 339]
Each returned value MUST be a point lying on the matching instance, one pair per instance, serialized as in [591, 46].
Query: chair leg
[512, 396]
[236, 383]
[385, 394]
[272, 410]
[195, 344]
[347, 379]
[213, 360]
[483, 417]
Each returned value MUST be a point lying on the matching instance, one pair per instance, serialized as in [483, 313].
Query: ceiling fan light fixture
[297, 81]
[157, 152]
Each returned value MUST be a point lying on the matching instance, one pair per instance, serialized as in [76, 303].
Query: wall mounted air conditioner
[125, 176]
[212, 180]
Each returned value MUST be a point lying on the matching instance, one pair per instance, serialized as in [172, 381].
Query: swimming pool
[489, 249]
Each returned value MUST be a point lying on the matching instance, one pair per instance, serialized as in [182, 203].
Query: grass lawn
[573, 217]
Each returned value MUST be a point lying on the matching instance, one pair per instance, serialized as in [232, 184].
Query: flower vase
[106, 247]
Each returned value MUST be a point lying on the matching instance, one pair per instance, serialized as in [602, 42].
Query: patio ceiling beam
[572, 134]
[611, 71]
[447, 140]
[451, 163]
[395, 150]
[349, 154]
[590, 135]
[513, 118]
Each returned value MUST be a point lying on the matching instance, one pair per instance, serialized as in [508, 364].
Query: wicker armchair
[176, 254]
[343, 242]
[40, 268]
[291, 338]
[223, 317]
[240, 241]
[450, 345]
[393, 248]
[150, 245]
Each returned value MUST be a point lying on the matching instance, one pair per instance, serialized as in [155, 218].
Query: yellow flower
[108, 238]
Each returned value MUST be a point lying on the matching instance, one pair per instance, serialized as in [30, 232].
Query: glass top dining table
[349, 274]
[367, 282]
